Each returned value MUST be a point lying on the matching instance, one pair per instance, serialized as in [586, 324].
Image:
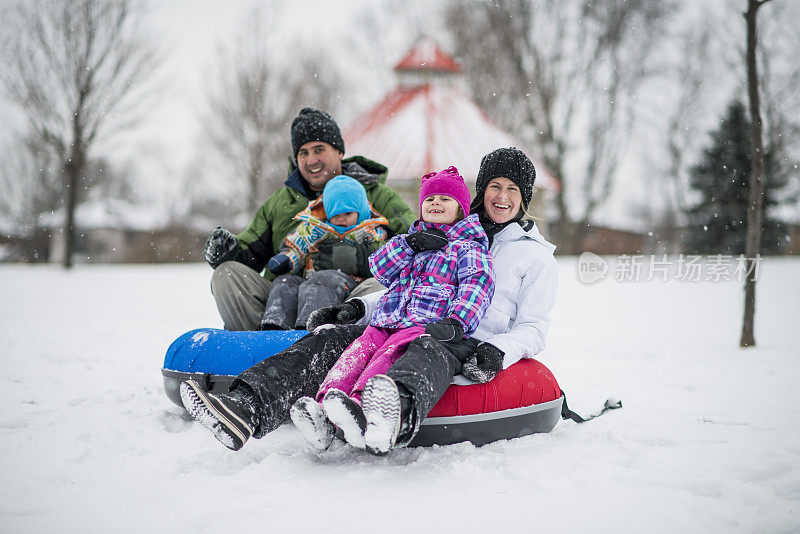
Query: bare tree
[75, 68]
[564, 77]
[251, 108]
[756, 201]
[779, 77]
[710, 64]
[29, 181]
[32, 186]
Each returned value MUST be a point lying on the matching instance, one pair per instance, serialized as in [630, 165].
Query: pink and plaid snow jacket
[455, 281]
[313, 228]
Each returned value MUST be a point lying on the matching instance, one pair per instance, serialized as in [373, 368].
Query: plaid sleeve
[387, 262]
[475, 287]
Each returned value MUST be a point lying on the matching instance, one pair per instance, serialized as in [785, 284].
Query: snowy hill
[707, 440]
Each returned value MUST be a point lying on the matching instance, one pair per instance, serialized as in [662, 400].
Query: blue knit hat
[343, 194]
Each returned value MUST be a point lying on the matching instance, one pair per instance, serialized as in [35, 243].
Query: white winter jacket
[525, 290]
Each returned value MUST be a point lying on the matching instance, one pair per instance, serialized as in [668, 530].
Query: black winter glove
[346, 257]
[448, 329]
[426, 240]
[346, 313]
[222, 246]
[484, 364]
[279, 264]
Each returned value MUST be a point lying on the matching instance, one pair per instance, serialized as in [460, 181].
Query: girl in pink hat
[440, 282]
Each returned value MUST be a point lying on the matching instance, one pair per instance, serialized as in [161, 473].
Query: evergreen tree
[718, 222]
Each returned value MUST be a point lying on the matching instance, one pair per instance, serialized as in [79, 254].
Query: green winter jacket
[274, 220]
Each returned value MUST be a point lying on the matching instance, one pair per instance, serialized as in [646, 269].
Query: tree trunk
[564, 236]
[756, 201]
[71, 177]
[580, 231]
[73, 169]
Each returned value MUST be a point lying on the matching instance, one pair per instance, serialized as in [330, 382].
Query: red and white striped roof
[430, 126]
[426, 55]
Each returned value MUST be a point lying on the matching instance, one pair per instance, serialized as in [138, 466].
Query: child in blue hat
[342, 213]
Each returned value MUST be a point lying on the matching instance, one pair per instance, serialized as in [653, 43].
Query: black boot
[346, 414]
[229, 416]
[309, 418]
[408, 416]
[422, 376]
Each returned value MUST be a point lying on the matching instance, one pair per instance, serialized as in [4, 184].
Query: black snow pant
[425, 371]
[292, 299]
[277, 382]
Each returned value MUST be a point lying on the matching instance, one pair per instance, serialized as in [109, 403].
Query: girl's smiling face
[440, 209]
[502, 200]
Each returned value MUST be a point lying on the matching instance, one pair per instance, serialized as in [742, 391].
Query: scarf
[492, 228]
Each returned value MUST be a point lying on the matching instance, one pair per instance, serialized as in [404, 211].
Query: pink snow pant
[373, 353]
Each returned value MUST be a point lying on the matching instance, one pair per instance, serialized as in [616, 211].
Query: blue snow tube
[215, 357]
[523, 399]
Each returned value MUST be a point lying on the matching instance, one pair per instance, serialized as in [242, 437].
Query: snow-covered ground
[707, 440]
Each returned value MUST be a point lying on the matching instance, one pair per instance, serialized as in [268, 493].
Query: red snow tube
[525, 383]
[521, 400]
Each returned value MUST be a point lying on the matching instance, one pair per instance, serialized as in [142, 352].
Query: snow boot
[228, 416]
[347, 414]
[310, 419]
[382, 409]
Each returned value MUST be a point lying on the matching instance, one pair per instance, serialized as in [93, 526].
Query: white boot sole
[340, 415]
[314, 429]
[381, 402]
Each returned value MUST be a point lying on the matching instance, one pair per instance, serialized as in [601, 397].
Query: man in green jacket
[240, 292]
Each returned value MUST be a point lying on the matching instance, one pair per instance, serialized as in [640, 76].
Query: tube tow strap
[566, 413]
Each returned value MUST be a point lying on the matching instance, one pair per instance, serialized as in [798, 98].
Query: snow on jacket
[517, 319]
[455, 281]
[313, 228]
[274, 220]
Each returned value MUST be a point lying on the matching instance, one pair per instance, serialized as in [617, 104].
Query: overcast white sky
[191, 31]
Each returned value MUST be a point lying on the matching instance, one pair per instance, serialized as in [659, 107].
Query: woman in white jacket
[513, 328]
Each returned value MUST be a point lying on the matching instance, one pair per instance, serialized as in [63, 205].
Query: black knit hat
[315, 125]
[509, 163]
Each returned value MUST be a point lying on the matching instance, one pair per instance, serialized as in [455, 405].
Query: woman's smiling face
[502, 200]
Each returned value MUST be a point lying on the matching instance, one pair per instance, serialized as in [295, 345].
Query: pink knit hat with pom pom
[447, 182]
